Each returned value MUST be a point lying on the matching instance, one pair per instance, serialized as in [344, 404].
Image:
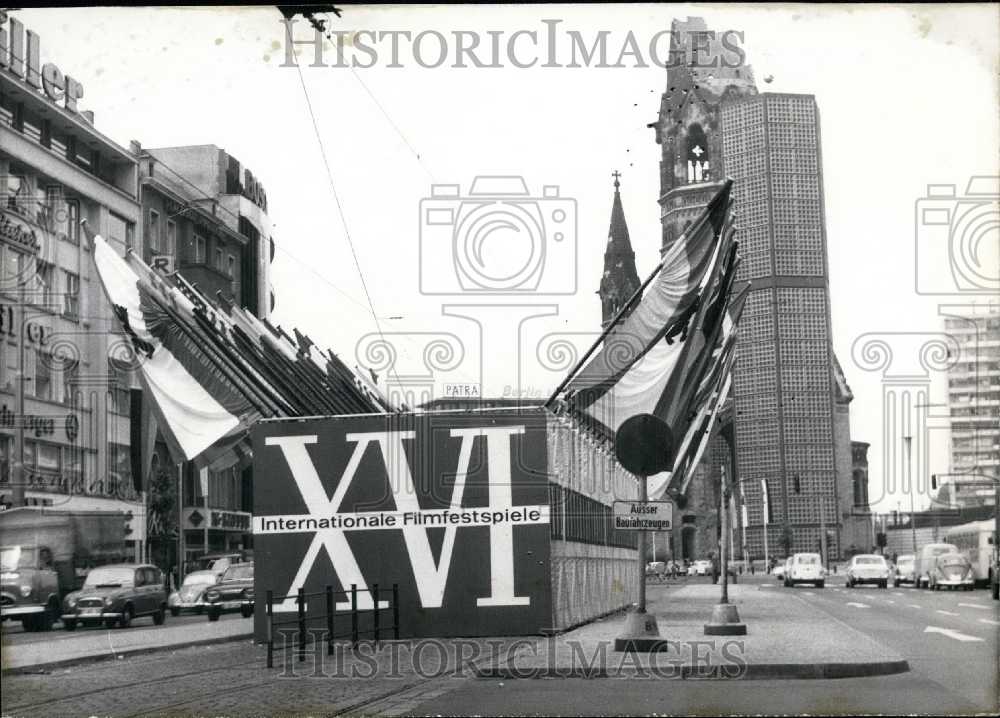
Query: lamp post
[907, 442]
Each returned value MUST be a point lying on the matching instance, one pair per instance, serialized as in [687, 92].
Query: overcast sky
[907, 98]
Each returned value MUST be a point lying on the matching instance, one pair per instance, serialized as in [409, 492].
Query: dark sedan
[233, 591]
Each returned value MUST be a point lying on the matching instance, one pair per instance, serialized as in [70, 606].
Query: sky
[907, 97]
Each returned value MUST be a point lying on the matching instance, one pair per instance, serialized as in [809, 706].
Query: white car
[952, 570]
[692, 570]
[805, 568]
[868, 568]
[779, 570]
[703, 568]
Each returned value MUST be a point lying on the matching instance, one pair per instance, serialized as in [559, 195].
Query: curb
[83, 660]
[760, 671]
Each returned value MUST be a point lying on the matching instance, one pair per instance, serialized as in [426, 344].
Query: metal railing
[302, 606]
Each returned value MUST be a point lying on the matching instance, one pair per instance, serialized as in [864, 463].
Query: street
[15, 635]
[949, 639]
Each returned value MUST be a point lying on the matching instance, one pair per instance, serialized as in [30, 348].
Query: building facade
[619, 281]
[974, 408]
[66, 397]
[204, 216]
[713, 123]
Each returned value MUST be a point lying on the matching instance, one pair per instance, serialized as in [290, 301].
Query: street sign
[644, 445]
[643, 515]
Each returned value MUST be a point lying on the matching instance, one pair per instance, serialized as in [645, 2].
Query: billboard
[452, 507]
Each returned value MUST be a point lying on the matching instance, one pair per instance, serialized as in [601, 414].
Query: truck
[47, 553]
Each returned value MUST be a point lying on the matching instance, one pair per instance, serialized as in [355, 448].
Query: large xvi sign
[330, 523]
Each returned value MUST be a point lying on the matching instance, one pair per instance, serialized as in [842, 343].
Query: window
[154, 231]
[43, 375]
[169, 246]
[119, 467]
[71, 305]
[122, 230]
[118, 389]
[198, 256]
[6, 447]
[70, 379]
[73, 221]
[218, 259]
[12, 263]
[44, 294]
[231, 269]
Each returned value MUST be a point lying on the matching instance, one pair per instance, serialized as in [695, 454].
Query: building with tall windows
[788, 390]
[66, 397]
[974, 408]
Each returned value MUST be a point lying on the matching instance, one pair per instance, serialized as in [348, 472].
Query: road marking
[857, 605]
[913, 605]
[767, 585]
[897, 593]
[889, 600]
[947, 613]
[952, 634]
[975, 605]
[809, 593]
[989, 621]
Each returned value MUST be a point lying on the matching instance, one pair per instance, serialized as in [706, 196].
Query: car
[952, 570]
[233, 592]
[656, 570]
[217, 562]
[779, 569]
[904, 570]
[867, 568]
[190, 597]
[115, 595]
[692, 570]
[925, 559]
[805, 568]
[702, 568]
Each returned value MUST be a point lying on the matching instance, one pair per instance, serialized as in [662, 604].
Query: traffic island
[792, 639]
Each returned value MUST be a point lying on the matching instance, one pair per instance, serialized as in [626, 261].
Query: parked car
[925, 558]
[656, 570]
[868, 568]
[952, 570]
[692, 570]
[904, 570]
[232, 593]
[116, 594]
[190, 597]
[702, 568]
[805, 568]
[217, 562]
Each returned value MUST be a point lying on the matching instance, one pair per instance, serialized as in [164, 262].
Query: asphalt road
[15, 635]
[952, 671]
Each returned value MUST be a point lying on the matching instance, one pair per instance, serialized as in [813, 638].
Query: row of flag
[670, 351]
[212, 370]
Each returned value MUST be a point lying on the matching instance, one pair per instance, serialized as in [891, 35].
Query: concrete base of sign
[725, 621]
[640, 634]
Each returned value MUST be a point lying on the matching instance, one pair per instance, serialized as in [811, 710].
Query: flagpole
[611, 325]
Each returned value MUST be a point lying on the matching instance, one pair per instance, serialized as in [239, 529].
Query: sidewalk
[98, 644]
[786, 638]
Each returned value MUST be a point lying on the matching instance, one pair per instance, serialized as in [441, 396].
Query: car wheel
[29, 624]
[895, 584]
[820, 584]
[213, 615]
[160, 616]
[46, 619]
[126, 619]
[69, 624]
[174, 611]
[246, 611]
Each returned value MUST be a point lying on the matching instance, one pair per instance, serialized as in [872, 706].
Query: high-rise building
[713, 123]
[66, 397]
[974, 408]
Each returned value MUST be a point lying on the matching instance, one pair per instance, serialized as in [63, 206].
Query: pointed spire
[620, 279]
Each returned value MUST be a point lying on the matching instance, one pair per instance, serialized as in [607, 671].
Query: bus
[974, 540]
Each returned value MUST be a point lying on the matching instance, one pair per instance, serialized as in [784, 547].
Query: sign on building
[452, 507]
[643, 515]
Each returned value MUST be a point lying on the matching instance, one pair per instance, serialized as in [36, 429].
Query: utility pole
[907, 442]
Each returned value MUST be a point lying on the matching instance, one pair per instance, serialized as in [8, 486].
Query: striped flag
[638, 358]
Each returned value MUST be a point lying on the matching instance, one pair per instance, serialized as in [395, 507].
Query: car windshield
[197, 579]
[14, 557]
[809, 558]
[938, 550]
[110, 577]
[870, 560]
[904, 562]
[236, 573]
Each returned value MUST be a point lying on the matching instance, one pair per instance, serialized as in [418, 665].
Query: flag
[191, 416]
[629, 374]
[708, 399]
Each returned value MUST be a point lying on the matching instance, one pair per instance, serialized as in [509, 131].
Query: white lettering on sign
[329, 524]
[643, 516]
